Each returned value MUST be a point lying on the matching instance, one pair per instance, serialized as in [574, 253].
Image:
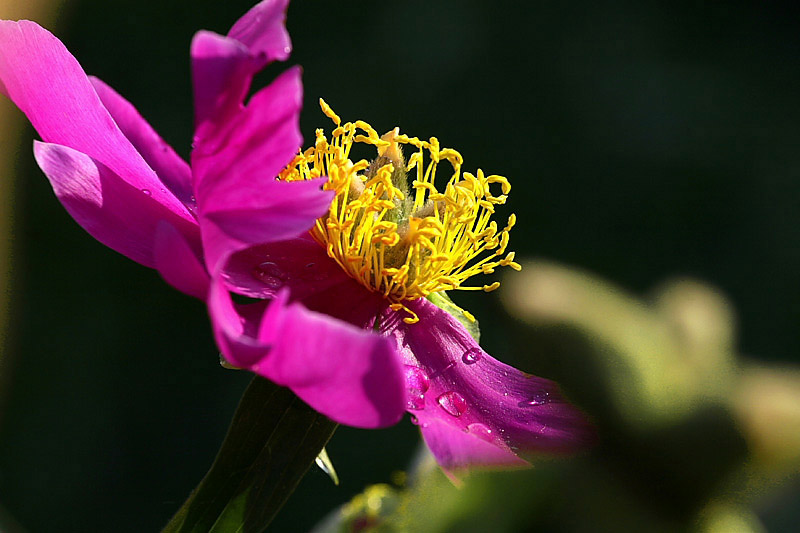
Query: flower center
[404, 242]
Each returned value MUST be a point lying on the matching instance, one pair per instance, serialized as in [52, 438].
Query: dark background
[643, 140]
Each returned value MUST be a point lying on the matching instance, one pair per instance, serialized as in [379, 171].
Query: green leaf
[272, 441]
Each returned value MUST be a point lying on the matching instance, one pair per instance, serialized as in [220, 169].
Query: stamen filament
[404, 248]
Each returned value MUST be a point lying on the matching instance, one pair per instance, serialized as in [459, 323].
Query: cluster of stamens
[404, 243]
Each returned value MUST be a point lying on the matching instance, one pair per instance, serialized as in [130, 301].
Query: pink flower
[341, 320]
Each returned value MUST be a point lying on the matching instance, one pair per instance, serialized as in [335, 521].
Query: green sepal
[443, 301]
[273, 440]
[326, 465]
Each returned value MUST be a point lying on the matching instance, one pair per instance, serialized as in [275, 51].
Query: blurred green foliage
[690, 434]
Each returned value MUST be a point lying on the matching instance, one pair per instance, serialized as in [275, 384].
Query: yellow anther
[504, 184]
[512, 221]
[413, 319]
[326, 109]
[372, 134]
[404, 245]
[508, 260]
[391, 149]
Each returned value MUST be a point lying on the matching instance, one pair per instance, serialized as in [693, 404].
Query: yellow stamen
[404, 242]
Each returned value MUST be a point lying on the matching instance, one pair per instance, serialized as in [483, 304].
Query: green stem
[272, 441]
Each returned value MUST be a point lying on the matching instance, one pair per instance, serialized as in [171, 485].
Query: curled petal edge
[350, 375]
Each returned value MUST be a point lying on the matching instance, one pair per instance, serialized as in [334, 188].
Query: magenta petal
[455, 448]
[120, 216]
[351, 375]
[348, 374]
[470, 391]
[290, 212]
[238, 197]
[173, 171]
[46, 82]
[223, 66]
[222, 69]
[237, 169]
[314, 279]
[348, 300]
[235, 327]
[263, 30]
[178, 263]
[299, 264]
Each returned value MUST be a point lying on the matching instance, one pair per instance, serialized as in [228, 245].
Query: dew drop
[453, 403]
[416, 379]
[272, 283]
[539, 398]
[147, 192]
[416, 401]
[471, 356]
[192, 205]
[269, 274]
[271, 269]
[480, 430]
[414, 420]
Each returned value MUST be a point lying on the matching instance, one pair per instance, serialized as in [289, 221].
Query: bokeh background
[643, 140]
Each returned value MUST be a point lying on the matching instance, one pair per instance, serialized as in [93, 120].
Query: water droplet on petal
[539, 398]
[416, 379]
[271, 269]
[414, 420]
[480, 430]
[471, 356]
[270, 282]
[270, 274]
[453, 403]
[417, 383]
[416, 401]
[147, 192]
